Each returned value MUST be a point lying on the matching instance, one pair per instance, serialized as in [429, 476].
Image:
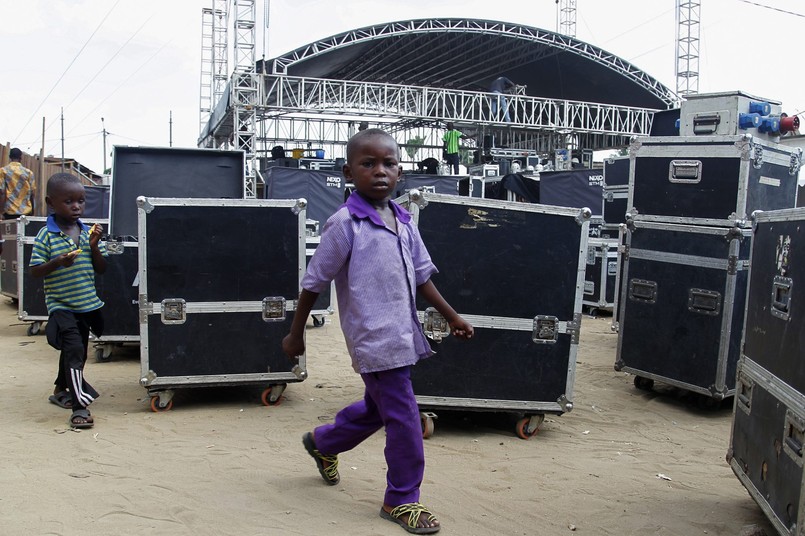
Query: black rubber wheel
[318, 321]
[33, 328]
[644, 384]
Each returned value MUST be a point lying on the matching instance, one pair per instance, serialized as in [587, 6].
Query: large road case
[218, 279]
[775, 323]
[718, 180]
[683, 291]
[8, 259]
[599, 278]
[118, 288]
[766, 445]
[516, 272]
[768, 429]
[170, 172]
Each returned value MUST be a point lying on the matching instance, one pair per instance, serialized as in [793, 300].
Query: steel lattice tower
[688, 30]
[567, 17]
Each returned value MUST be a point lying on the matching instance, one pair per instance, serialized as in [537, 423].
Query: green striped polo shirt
[67, 287]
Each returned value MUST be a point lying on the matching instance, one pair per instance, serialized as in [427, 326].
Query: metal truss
[468, 27]
[323, 113]
[688, 29]
[214, 64]
[287, 94]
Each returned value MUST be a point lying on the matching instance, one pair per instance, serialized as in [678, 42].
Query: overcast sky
[135, 63]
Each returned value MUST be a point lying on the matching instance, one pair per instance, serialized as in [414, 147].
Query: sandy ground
[222, 463]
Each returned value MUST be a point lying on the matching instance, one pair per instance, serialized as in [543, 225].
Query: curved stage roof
[467, 54]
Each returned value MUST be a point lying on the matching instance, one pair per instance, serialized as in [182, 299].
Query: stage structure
[411, 78]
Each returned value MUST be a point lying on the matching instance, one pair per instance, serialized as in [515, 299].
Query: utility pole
[170, 128]
[62, 139]
[104, 147]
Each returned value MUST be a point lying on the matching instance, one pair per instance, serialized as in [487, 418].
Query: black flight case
[516, 272]
[683, 289]
[768, 428]
[218, 279]
[716, 180]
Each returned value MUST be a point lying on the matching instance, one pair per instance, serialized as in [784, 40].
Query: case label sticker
[769, 181]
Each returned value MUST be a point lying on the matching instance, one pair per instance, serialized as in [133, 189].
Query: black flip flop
[82, 413]
[62, 399]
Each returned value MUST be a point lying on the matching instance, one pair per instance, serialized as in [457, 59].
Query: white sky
[143, 63]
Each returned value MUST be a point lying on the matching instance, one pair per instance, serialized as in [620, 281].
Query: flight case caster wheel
[34, 328]
[528, 427]
[318, 321]
[644, 384]
[428, 425]
[103, 354]
[272, 396]
[158, 405]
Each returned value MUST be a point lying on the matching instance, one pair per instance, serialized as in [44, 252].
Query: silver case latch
[174, 311]
[546, 329]
[274, 309]
[435, 325]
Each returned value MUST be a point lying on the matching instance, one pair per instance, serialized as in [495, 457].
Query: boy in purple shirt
[374, 252]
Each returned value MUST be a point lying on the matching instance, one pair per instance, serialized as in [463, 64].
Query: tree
[412, 146]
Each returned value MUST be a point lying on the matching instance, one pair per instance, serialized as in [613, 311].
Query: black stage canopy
[467, 54]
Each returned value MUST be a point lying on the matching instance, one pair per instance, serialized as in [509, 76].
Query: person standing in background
[451, 155]
[19, 190]
[499, 86]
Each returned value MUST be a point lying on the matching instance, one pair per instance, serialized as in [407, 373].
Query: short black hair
[363, 135]
[57, 181]
[15, 154]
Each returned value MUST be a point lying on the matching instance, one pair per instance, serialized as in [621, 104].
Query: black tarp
[324, 190]
[573, 188]
[437, 184]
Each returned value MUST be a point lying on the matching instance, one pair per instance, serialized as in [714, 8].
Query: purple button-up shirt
[376, 274]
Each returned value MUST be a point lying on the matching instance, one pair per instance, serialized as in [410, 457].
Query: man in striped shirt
[67, 254]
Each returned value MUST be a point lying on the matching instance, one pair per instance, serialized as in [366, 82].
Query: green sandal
[329, 473]
[414, 511]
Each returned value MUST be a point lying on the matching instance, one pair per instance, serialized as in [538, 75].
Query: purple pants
[388, 401]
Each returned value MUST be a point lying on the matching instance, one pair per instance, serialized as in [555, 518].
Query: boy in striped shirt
[67, 254]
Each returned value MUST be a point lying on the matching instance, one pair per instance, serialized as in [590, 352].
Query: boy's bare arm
[41, 270]
[293, 344]
[98, 260]
[458, 326]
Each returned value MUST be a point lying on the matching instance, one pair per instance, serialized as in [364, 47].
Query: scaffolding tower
[567, 17]
[214, 63]
[688, 30]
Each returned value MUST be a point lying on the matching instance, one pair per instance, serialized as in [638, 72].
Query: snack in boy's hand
[73, 254]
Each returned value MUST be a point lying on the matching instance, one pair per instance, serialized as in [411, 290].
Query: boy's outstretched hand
[293, 346]
[461, 328]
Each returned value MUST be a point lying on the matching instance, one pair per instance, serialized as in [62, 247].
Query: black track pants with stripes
[69, 332]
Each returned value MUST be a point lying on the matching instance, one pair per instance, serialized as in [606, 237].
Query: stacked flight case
[686, 254]
[522, 293]
[217, 281]
[768, 428]
[156, 172]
